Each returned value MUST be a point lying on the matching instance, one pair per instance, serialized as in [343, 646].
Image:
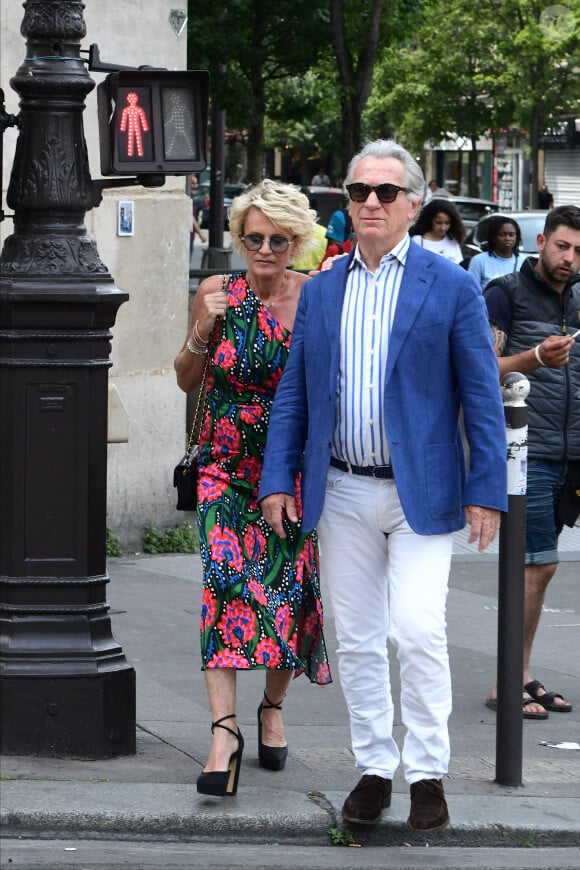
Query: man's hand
[484, 524]
[555, 350]
[275, 507]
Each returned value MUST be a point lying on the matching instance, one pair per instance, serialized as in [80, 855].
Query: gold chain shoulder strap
[197, 414]
[201, 396]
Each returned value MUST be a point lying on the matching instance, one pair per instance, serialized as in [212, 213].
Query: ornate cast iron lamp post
[67, 688]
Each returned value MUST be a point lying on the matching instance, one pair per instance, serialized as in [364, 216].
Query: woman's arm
[197, 230]
[210, 303]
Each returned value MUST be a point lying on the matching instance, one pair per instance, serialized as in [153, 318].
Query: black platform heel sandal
[270, 757]
[223, 782]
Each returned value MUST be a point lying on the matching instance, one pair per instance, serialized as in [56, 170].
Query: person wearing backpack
[534, 315]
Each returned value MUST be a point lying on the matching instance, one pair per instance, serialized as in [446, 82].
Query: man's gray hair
[382, 148]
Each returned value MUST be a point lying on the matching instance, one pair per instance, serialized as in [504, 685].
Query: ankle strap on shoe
[218, 724]
[271, 705]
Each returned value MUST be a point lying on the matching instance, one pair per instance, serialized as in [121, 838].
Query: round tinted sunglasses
[254, 241]
[359, 192]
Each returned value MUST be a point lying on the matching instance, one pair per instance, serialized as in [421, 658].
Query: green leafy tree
[471, 69]
[302, 115]
[248, 45]
[358, 29]
[539, 46]
[323, 109]
[442, 81]
[355, 41]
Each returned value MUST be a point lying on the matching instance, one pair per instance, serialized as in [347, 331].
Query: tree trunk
[255, 151]
[355, 84]
[350, 134]
[256, 127]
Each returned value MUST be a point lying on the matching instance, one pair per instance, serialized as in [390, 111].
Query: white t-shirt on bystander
[448, 248]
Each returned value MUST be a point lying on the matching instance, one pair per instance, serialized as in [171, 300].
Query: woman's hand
[211, 304]
[328, 263]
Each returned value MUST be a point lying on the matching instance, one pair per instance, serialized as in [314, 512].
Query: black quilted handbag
[186, 472]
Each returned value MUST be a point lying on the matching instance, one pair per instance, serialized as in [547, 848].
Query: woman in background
[500, 252]
[439, 228]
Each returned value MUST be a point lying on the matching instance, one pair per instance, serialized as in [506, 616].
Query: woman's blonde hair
[281, 203]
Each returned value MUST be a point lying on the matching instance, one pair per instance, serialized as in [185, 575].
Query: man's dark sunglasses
[359, 192]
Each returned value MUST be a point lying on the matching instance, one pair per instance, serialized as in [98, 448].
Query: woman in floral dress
[261, 605]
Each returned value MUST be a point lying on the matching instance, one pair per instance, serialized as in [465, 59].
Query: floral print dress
[261, 604]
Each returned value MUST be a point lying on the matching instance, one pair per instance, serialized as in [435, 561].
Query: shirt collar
[497, 257]
[399, 252]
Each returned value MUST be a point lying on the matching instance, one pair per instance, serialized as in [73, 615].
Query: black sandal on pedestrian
[491, 703]
[223, 782]
[548, 699]
[270, 757]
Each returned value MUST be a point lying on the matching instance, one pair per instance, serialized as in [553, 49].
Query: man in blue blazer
[387, 347]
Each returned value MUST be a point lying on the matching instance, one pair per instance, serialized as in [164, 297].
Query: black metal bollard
[512, 540]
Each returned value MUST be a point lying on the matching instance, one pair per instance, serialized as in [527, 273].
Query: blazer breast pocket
[425, 345]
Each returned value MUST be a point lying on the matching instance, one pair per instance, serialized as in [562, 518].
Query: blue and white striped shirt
[367, 318]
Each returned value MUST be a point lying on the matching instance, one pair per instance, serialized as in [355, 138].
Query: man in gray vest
[535, 316]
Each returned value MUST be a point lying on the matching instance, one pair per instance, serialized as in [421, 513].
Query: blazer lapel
[331, 290]
[418, 276]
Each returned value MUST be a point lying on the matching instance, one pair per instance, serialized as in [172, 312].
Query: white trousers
[387, 582]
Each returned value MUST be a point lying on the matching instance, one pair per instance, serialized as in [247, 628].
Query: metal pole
[512, 539]
[215, 255]
[67, 689]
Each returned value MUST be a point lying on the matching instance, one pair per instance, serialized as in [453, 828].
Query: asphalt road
[118, 855]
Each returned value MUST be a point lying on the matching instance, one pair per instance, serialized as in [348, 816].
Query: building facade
[147, 411]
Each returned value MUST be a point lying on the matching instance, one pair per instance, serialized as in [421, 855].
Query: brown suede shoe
[370, 796]
[428, 806]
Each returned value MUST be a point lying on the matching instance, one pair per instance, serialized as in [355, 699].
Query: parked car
[202, 202]
[530, 223]
[470, 209]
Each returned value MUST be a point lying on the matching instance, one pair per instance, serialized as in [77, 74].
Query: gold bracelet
[537, 355]
[194, 347]
[197, 336]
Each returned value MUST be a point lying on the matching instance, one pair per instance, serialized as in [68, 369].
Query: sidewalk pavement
[155, 604]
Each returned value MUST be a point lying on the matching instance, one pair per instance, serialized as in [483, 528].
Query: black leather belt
[384, 472]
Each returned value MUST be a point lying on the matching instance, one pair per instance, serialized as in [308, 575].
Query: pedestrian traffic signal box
[153, 121]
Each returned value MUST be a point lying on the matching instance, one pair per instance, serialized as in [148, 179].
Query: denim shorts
[545, 483]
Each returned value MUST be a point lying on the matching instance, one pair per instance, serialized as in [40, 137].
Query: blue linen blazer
[440, 358]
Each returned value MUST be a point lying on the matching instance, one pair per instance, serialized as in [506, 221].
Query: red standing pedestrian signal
[134, 121]
[153, 121]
